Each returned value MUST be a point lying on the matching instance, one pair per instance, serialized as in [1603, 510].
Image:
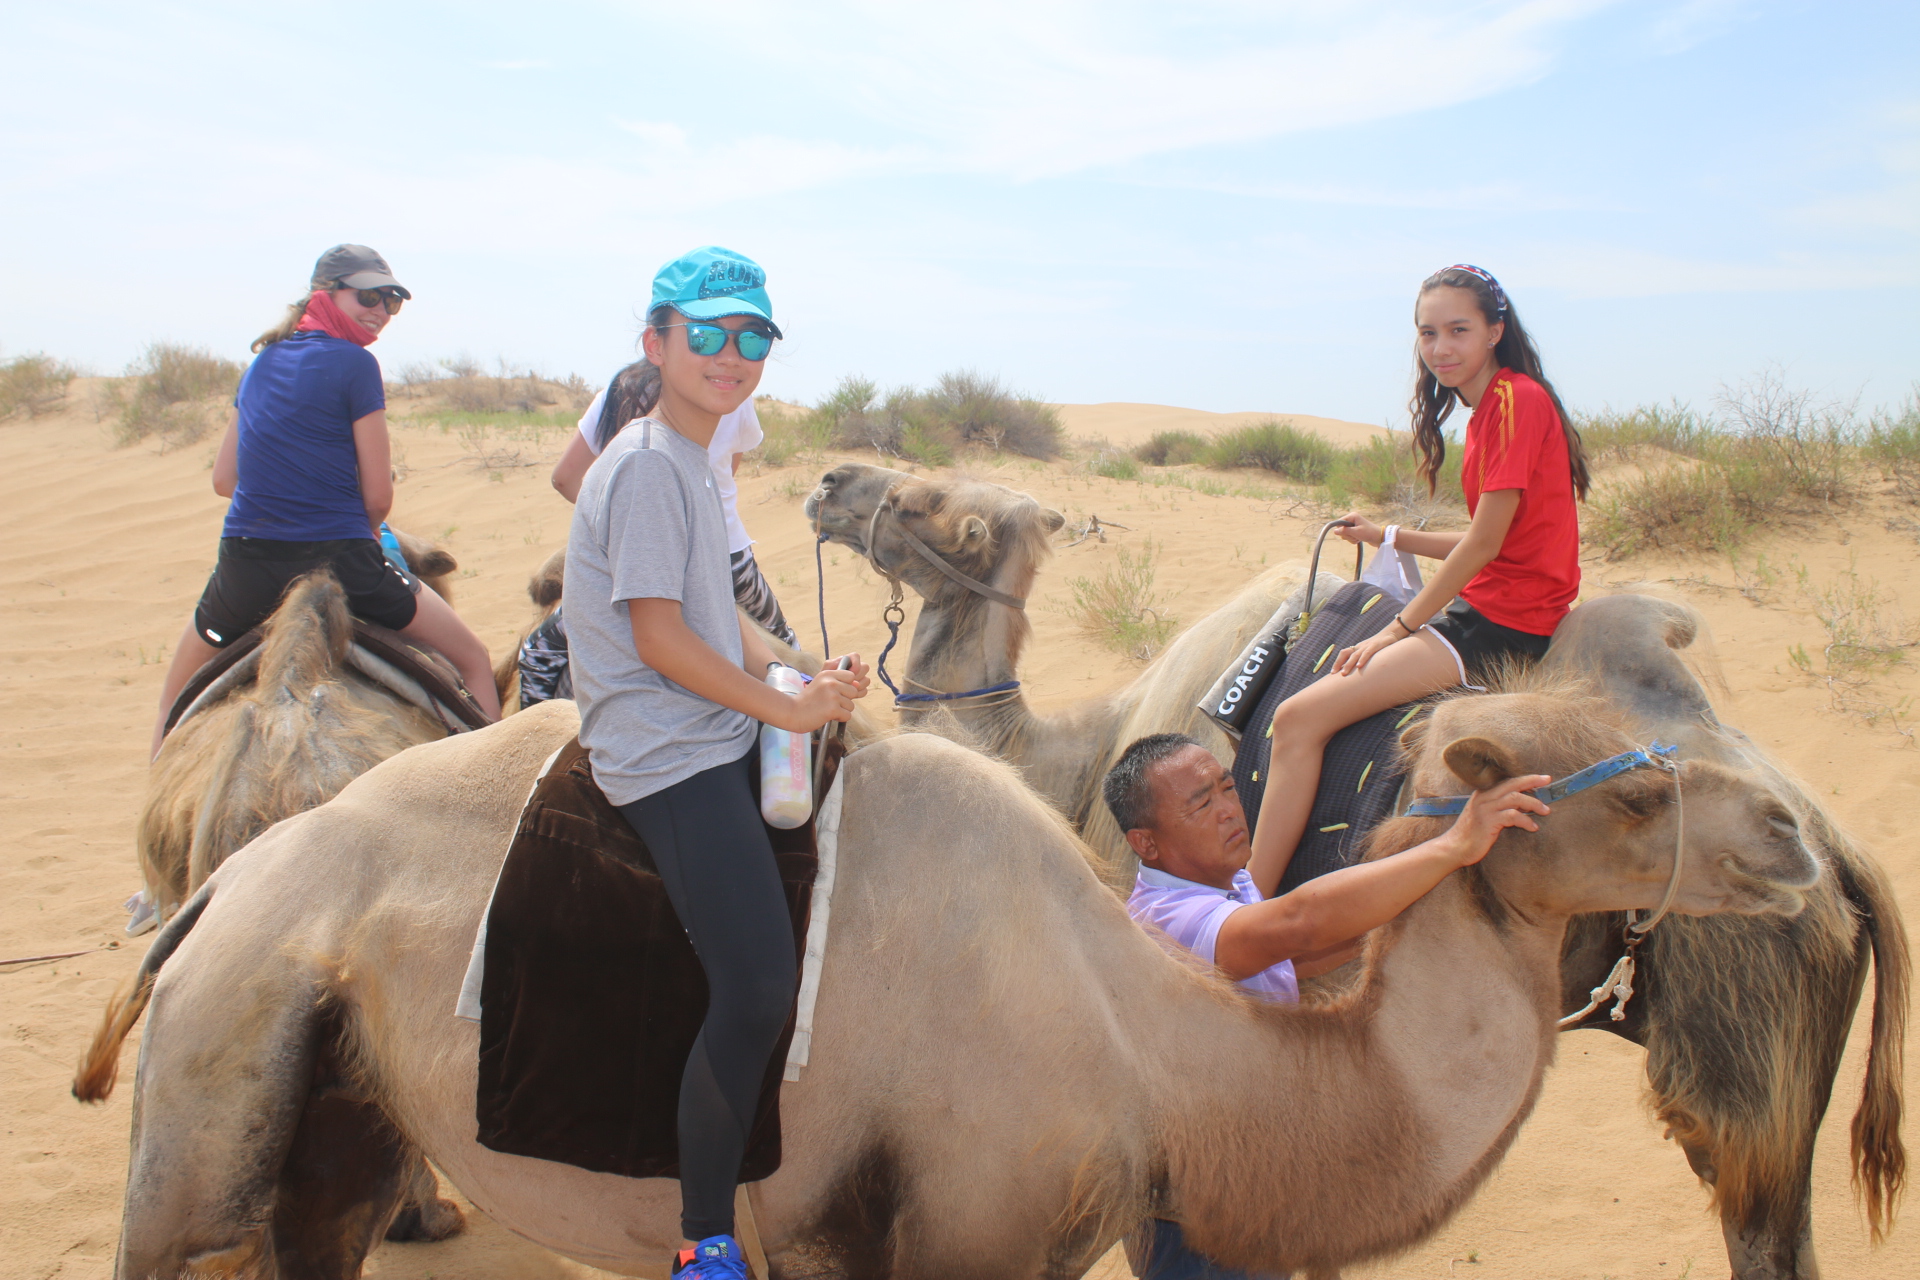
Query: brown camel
[1006, 1074]
[1744, 1091]
[963, 640]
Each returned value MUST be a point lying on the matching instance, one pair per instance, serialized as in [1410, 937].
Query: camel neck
[1389, 1107]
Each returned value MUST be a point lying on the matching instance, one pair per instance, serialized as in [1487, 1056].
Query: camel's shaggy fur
[1007, 1073]
[306, 728]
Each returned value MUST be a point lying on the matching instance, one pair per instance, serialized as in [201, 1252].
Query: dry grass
[1120, 608]
[1866, 635]
[1892, 444]
[173, 393]
[33, 384]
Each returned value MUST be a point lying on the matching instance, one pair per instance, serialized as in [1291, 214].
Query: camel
[1007, 1074]
[963, 640]
[1745, 1094]
[307, 725]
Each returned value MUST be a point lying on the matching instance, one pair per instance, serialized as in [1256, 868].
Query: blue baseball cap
[710, 282]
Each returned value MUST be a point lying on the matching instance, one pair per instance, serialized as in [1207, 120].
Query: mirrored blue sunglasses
[711, 340]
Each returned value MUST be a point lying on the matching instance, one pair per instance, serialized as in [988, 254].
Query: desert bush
[1683, 506]
[1614, 435]
[1120, 607]
[33, 384]
[786, 435]
[1099, 457]
[174, 393]
[1278, 446]
[930, 427]
[1172, 449]
[1807, 448]
[1892, 443]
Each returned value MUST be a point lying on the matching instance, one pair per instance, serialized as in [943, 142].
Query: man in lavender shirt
[1184, 822]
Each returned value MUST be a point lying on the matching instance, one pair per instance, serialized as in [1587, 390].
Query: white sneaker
[143, 919]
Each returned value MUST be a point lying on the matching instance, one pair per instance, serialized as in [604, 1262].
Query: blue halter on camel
[895, 616]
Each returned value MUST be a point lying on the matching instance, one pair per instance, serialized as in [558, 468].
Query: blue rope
[1592, 775]
[1004, 687]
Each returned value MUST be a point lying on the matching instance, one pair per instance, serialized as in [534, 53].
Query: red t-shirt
[1515, 441]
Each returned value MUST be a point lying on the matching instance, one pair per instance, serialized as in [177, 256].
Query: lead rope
[1618, 983]
[820, 577]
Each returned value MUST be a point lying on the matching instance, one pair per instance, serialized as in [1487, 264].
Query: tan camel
[304, 727]
[1744, 1092]
[1007, 1073]
[962, 640]
[307, 725]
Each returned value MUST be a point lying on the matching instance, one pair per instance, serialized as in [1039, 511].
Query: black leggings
[706, 837]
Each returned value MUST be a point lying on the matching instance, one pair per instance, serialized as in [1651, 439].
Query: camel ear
[1051, 520]
[974, 531]
[1481, 762]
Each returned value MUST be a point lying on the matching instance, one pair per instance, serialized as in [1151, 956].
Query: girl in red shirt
[1515, 571]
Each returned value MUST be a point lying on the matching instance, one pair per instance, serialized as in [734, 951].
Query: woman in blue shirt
[308, 466]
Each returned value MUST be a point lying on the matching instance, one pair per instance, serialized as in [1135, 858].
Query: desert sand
[106, 550]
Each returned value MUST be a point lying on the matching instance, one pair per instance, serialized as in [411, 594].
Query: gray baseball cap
[354, 266]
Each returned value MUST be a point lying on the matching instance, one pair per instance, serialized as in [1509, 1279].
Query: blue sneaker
[715, 1258]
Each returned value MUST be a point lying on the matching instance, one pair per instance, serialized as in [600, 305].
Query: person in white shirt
[1181, 817]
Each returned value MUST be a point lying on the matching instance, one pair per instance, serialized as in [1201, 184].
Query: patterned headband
[1493, 286]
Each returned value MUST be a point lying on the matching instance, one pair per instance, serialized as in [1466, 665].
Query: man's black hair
[1127, 791]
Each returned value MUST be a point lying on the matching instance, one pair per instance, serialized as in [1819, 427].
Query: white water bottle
[786, 781]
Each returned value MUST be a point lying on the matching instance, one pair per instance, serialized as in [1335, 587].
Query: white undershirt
[738, 432]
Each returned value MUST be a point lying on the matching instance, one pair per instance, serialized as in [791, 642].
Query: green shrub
[1807, 449]
[1114, 466]
[175, 393]
[1277, 446]
[787, 435]
[33, 384]
[1614, 435]
[1892, 444]
[1120, 607]
[963, 409]
[1172, 449]
[1681, 506]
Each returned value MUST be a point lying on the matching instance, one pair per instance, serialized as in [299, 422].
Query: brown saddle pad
[592, 995]
[440, 678]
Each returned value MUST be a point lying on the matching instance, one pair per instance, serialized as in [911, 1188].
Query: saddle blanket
[1361, 772]
[589, 994]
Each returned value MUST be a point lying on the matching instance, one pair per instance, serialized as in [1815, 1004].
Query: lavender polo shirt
[1191, 914]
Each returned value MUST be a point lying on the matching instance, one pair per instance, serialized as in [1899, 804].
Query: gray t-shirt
[649, 525]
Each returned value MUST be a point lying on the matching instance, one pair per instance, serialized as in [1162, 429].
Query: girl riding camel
[668, 678]
[1515, 571]
[308, 466]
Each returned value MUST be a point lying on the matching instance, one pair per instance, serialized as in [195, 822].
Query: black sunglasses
[388, 298]
[711, 340]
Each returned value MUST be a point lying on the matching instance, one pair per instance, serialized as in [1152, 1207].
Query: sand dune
[106, 550]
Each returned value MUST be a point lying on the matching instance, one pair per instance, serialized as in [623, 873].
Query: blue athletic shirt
[299, 475]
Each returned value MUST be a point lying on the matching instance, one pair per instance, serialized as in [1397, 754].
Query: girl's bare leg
[437, 625]
[1303, 724]
[189, 655]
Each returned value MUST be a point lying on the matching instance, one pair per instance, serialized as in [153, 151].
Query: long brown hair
[287, 326]
[1432, 403]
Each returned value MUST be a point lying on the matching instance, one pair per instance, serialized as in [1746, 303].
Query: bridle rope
[895, 616]
[1618, 984]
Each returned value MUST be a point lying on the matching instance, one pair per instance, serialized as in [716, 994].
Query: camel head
[433, 566]
[1610, 847]
[986, 531]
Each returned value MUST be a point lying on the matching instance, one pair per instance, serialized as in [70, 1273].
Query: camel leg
[424, 1215]
[225, 1067]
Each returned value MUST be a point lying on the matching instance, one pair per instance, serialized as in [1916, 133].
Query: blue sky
[1220, 204]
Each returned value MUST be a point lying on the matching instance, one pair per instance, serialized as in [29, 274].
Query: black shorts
[253, 573]
[1481, 646]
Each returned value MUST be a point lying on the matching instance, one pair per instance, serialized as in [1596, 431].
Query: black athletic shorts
[1480, 645]
[253, 573]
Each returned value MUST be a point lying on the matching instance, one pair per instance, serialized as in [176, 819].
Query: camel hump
[307, 637]
[544, 587]
[1630, 643]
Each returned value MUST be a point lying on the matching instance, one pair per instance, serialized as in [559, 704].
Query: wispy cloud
[1694, 22]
